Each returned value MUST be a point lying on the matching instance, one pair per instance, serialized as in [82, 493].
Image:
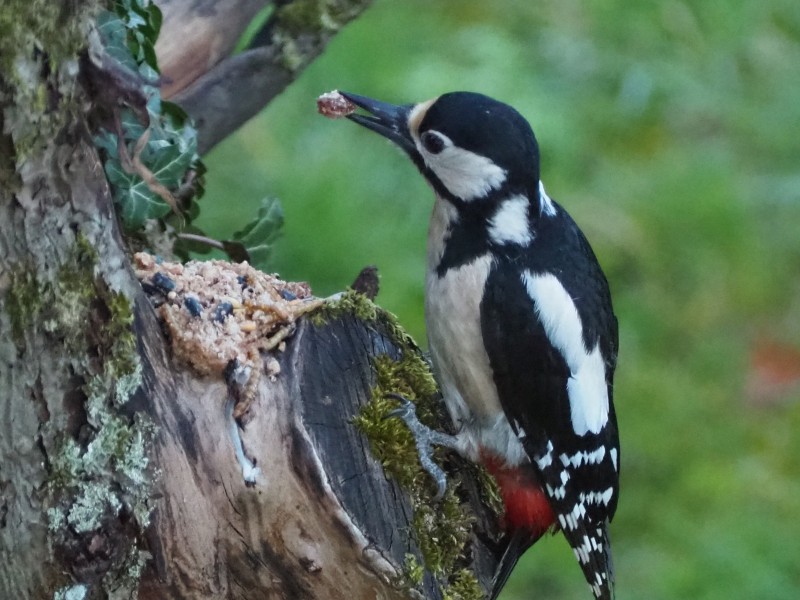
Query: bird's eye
[433, 143]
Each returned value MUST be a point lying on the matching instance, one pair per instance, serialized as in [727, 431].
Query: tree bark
[221, 90]
[119, 470]
[322, 519]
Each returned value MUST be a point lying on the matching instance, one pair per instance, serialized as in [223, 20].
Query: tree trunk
[124, 472]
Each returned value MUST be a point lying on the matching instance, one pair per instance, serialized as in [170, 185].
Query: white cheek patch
[466, 175]
[586, 387]
[509, 225]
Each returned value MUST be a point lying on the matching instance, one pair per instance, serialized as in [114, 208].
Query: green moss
[490, 490]
[441, 528]
[23, 302]
[72, 294]
[348, 302]
[89, 324]
[464, 586]
[39, 44]
[391, 442]
[123, 363]
[302, 16]
[319, 18]
[314, 16]
[414, 571]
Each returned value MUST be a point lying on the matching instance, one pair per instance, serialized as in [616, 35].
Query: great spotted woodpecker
[520, 325]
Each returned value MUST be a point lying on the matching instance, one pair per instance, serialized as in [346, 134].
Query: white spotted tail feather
[581, 513]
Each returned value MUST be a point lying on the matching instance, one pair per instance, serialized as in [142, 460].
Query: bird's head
[468, 146]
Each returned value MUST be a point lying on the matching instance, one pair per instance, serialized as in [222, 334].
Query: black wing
[531, 376]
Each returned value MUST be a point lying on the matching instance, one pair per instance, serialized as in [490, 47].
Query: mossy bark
[118, 473]
[70, 364]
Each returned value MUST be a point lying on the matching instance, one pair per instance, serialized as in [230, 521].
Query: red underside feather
[525, 502]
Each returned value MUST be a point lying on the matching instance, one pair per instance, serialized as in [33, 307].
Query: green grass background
[671, 131]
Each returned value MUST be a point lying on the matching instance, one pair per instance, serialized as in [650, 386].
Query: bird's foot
[425, 439]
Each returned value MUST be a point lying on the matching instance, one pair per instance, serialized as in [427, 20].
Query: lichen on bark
[39, 66]
[99, 478]
[301, 22]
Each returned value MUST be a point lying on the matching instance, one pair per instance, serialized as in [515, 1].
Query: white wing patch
[586, 387]
[509, 224]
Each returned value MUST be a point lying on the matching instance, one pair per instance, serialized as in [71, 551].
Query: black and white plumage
[520, 324]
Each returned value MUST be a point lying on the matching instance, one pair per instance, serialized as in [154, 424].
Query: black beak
[388, 120]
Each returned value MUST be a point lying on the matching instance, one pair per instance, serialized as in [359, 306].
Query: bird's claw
[424, 438]
[405, 411]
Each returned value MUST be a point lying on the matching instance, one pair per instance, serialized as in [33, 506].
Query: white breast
[452, 314]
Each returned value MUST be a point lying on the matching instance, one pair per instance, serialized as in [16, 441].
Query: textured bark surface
[221, 90]
[118, 472]
[198, 35]
[321, 521]
[43, 368]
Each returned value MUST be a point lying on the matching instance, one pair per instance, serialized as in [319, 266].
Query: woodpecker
[520, 325]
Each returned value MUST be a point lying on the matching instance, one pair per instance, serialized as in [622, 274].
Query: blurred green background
[671, 131]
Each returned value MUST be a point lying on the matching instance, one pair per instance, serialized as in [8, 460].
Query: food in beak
[334, 106]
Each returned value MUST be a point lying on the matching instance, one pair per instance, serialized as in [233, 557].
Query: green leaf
[176, 115]
[129, 34]
[135, 20]
[168, 163]
[136, 201]
[155, 19]
[254, 242]
[114, 36]
[107, 141]
[131, 126]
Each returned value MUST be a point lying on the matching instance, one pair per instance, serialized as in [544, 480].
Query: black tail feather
[518, 542]
[595, 559]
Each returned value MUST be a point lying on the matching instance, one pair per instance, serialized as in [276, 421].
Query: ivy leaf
[107, 141]
[128, 36]
[254, 242]
[136, 201]
[155, 19]
[168, 162]
[114, 36]
[131, 126]
[175, 113]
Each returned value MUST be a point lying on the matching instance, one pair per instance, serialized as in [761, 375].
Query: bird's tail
[594, 556]
[519, 541]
